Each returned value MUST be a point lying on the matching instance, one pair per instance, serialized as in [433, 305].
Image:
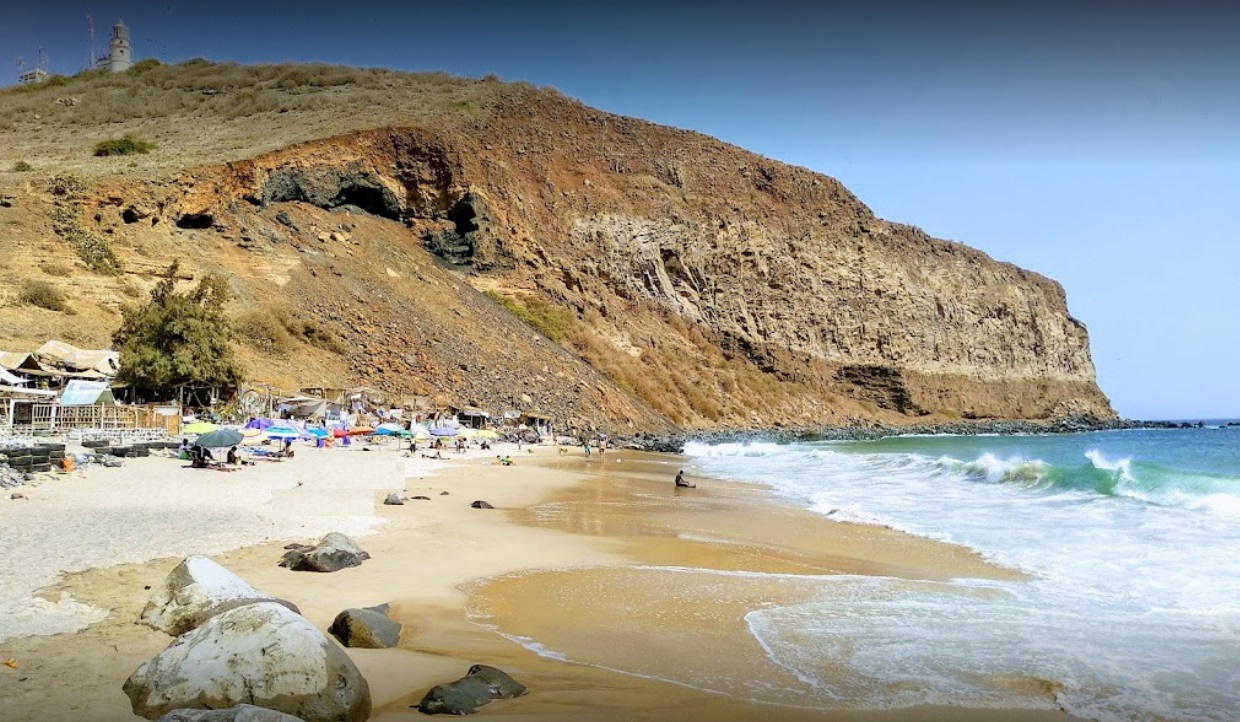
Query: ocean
[1130, 539]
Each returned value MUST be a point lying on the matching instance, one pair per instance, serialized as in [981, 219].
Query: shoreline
[437, 561]
[862, 430]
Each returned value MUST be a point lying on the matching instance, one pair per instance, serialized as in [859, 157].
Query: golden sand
[573, 557]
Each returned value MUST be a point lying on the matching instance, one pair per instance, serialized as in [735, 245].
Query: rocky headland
[673, 282]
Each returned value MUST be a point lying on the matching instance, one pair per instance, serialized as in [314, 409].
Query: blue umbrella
[318, 432]
[282, 432]
[444, 431]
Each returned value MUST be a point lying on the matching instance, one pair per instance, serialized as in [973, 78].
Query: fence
[54, 417]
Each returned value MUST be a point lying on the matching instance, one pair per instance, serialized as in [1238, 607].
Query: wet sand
[568, 558]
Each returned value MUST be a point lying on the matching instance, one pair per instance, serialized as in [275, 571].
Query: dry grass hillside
[413, 230]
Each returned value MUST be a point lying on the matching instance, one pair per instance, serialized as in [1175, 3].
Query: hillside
[358, 213]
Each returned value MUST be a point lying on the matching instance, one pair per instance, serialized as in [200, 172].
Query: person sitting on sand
[232, 456]
[681, 483]
[504, 460]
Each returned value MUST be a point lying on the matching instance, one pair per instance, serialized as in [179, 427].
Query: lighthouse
[121, 58]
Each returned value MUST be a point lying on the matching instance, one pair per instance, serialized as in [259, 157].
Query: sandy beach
[641, 587]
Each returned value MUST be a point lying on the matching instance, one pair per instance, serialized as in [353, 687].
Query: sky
[1097, 143]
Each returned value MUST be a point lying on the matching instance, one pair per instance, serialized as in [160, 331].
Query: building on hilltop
[121, 57]
[37, 74]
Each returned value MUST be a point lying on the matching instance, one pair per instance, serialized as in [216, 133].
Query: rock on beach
[240, 713]
[262, 653]
[333, 553]
[369, 628]
[196, 590]
[480, 686]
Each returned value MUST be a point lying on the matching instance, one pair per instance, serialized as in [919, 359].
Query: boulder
[369, 628]
[196, 590]
[240, 713]
[333, 553]
[394, 499]
[480, 685]
[263, 654]
[480, 504]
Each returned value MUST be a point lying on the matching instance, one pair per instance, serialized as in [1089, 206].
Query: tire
[41, 467]
[50, 446]
[142, 450]
[95, 443]
[122, 452]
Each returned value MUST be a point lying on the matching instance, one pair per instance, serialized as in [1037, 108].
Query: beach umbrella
[338, 433]
[468, 433]
[282, 432]
[487, 434]
[318, 432]
[361, 430]
[388, 429]
[251, 432]
[420, 432]
[200, 427]
[443, 431]
[261, 424]
[221, 437]
[402, 433]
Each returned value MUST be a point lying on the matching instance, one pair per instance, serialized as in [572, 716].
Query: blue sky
[1097, 143]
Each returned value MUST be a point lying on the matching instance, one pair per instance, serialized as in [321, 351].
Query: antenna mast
[90, 59]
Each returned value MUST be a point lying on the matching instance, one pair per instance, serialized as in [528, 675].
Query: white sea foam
[1133, 611]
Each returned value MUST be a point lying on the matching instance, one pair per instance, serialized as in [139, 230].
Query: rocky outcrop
[480, 686]
[704, 285]
[196, 590]
[262, 654]
[368, 627]
[331, 554]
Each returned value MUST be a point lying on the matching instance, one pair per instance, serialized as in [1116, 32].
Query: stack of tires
[55, 455]
[19, 460]
[41, 458]
[120, 452]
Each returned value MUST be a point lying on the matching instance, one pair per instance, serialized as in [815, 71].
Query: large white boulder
[196, 590]
[262, 654]
[240, 713]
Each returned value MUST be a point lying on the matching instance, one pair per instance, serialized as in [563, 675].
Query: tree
[179, 338]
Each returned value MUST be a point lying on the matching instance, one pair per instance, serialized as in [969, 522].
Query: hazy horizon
[1094, 143]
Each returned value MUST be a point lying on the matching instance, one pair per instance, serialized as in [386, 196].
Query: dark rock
[480, 685]
[443, 493]
[368, 628]
[394, 499]
[333, 553]
[480, 504]
[284, 219]
[420, 498]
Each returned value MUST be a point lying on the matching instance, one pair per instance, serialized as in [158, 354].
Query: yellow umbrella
[486, 434]
[467, 433]
[199, 427]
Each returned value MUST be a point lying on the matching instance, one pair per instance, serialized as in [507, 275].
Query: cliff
[688, 280]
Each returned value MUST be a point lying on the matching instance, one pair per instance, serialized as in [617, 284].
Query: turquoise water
[1131, 539]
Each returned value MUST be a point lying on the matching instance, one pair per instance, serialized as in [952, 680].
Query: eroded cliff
[706, 283]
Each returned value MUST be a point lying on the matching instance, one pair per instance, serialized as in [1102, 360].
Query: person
[585, 446]
[200, 457]
[602, 447]
[681, 483]
[183, 452]
[232, 456]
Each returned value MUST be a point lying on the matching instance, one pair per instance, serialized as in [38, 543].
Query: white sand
[154, 507]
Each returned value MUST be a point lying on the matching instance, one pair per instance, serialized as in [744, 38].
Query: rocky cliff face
[710, 284]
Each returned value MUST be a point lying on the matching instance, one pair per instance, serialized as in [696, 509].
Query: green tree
[179, 338]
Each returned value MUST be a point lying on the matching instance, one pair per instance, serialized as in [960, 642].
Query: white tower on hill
[121, 58]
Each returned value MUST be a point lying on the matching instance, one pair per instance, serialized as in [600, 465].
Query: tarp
[70, 360]
[79, 392]
[19, 391]
[21, 363]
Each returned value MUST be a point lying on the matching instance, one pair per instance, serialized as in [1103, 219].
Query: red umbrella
[339, 433]
[361, 430]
